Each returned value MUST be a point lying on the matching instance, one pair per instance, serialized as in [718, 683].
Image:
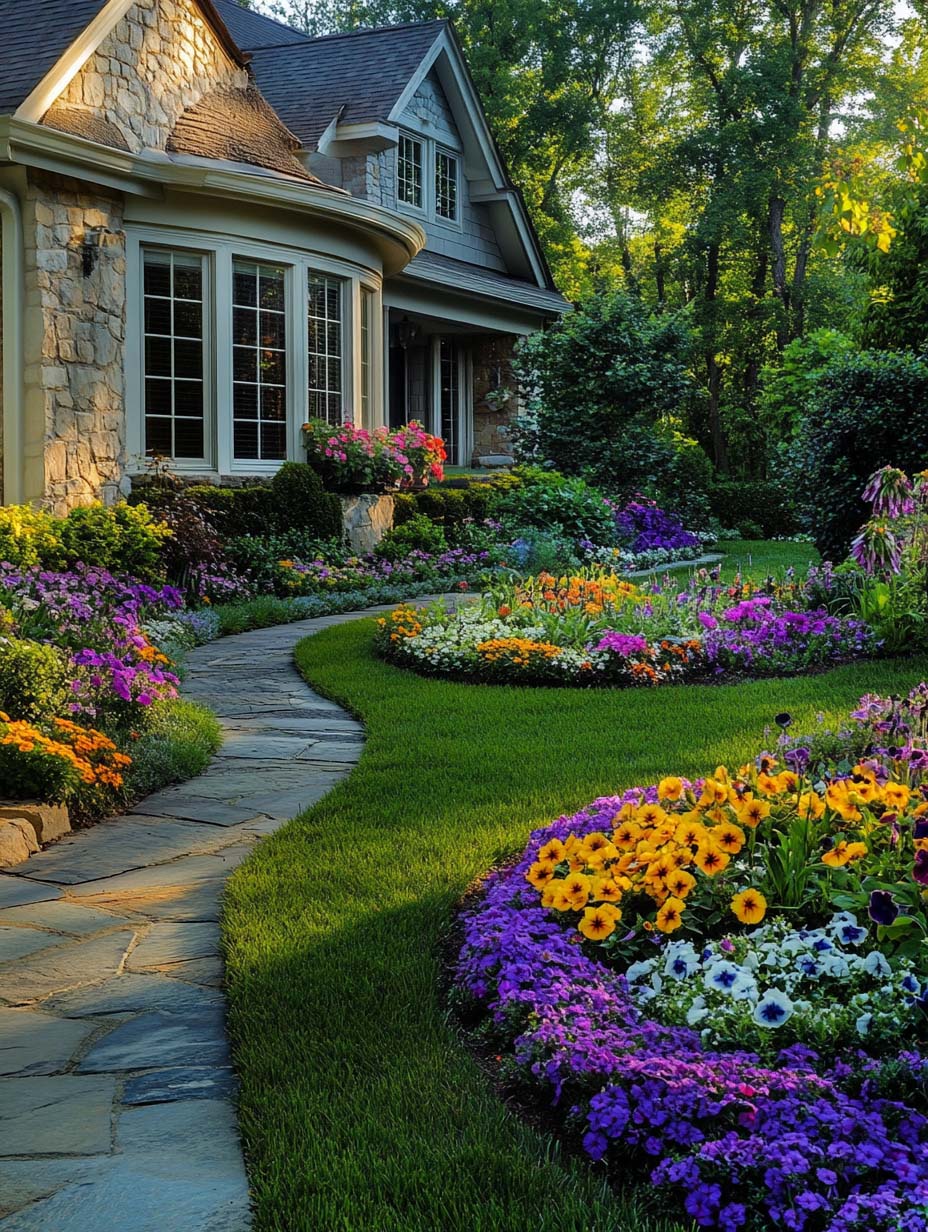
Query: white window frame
[220, 252]
[256, 465]
[443, 219]
[425, 168]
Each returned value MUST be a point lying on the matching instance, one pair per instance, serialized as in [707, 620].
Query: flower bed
[724, 983]
[79, 676]
[596, 629]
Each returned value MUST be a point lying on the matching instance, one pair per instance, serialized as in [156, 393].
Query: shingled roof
[35, 37]
[236, 124]
[81, 122]
[365, 72]
[252, 30]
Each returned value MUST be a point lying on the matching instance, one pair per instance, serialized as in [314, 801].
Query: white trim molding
[13, 276]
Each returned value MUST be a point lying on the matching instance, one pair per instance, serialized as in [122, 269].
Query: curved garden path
[116, 1092]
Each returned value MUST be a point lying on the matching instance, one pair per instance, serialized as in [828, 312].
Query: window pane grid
[450, 397]
[259, 362]
[367, 302]
[446, 185]
[409, 172]
[174, 355]
[325, 351]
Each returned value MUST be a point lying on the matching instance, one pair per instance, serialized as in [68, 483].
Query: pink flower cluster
[353, 459]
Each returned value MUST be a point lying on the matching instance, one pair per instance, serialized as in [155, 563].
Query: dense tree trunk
[775, 215]
[659, 274]
[713, 371]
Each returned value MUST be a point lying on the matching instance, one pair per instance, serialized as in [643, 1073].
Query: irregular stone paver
[78, 919]
[33, 1042]
[173, 943]
[119, 1114]
[155, 1040]
[69, 1114]
[63, 966]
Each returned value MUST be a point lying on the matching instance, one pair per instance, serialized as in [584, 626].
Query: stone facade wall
[492, 361]
[161, 58]
[158, 61]
[75, 331]
[2, 331]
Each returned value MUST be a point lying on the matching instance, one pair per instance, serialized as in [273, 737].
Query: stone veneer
[158, 61]
[75, 329]
[492, 357]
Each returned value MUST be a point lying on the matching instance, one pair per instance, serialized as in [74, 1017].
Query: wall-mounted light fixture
[95, 240]
[406, 333]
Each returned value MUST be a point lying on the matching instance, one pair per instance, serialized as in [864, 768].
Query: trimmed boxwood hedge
[293, 500]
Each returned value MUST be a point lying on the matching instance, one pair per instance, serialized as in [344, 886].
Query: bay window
[235, 346]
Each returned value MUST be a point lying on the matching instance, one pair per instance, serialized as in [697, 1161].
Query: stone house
[214, 227]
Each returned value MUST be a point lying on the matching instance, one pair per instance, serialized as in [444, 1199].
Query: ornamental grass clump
[711, 980]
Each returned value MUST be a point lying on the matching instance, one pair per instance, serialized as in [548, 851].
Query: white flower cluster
[452, 646]
[740, 991]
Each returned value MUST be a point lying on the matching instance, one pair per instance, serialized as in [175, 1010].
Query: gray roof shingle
[252, 30]
[239, 125]
[471, 279]
[35, 37]
[365, 71]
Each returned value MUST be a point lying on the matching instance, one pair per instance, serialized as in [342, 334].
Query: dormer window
[446, 185]
[409, 172]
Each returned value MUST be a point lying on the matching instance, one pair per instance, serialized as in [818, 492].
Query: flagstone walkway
[116, 1092]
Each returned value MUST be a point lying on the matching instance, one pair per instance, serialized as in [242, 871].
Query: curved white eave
[399, 239]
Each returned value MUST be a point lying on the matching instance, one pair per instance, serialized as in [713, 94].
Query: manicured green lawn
[361, 1110]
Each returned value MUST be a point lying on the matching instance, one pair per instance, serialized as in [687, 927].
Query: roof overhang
[149, 174]
[70, 64]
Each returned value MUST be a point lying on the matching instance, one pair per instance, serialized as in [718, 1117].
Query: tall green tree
[745, 100]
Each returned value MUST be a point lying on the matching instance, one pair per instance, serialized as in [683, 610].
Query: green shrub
[419, 534]
[604, 378]
[787, 386]
[869, 410]
[451, 507]
[122, 538]
[34, 680]
[29, 537]
[293, 500]
[300, 502]
[756, 506]
[552, 502]
[235, 511]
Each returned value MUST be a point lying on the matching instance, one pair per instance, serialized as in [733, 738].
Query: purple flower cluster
[759, 631]
[799, 1145]
[319, 575]
[643, 525]
[95, 617]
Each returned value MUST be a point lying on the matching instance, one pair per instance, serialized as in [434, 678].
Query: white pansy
[876, 964]
[863, 1024]
[773, 1009]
